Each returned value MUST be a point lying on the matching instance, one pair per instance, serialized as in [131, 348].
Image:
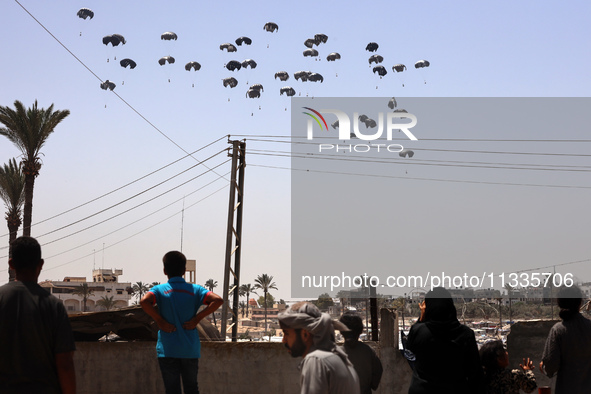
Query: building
[105, 284]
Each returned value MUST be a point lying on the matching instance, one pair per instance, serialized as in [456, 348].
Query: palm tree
[106, 302]
[247, 288]
[85, 292]
[210, 285]
[242, 306]
[265, 283]
[12, 187]
[28, 129]
[139, 289]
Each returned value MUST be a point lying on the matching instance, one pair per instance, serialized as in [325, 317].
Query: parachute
[392, 103]
[128, 62]
[315, 77]
[405, 153]
[240, 40]
[333, 56]
[168, 36]
[249, 62]
[381, 70]
[85, 13]
[271, 27]
[398, 68]
[422, 63]
[375, 58]
[320, 38]
[114, 40]
[231, 82]
[309, 42]
[282, 75]
[372, 47]
[301, 75]
[257, 86]
[310, 52]
[163, 60]
[229, 47]
[108, 85]
[192, 65]
[288, 90]
[253, 93]
[234, 65]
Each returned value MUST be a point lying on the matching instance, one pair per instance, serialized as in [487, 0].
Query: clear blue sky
[476, 49]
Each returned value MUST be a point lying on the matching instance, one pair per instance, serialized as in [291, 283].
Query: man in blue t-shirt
[178, 348]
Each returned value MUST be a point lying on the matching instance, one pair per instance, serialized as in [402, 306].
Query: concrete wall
[527, 339]
[225, 367]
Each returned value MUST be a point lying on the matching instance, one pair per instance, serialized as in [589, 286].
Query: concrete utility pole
[235, 207]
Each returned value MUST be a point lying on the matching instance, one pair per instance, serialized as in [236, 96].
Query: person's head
[25, 256]
[175, 264]
[353, 323]
[494, 356]
[569, 300]
[297, 339]
[439, 306]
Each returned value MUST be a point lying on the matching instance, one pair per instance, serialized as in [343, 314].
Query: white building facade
[105, 284]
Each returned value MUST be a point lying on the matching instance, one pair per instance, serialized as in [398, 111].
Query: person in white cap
[325, 368]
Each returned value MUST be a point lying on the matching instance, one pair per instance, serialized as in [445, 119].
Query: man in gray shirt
[325, 368]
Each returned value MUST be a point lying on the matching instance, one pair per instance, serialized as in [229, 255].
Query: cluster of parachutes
[255, 90]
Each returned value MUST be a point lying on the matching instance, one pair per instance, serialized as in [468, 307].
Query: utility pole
[234, 233]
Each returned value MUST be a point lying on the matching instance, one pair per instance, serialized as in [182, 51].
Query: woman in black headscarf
[447, 360]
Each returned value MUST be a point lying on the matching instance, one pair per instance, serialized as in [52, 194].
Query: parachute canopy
[309, 42]
[372, 47]
[168, 36]
[163, 60]
[234, 65]
[249, 63]
[231, 82]
[333, 56]
[253, 93]
[315, 77]
[282, 75]
[288, 90]
[392, 103]
[228, 47]
[406, 153]
[375, 58]
[192, 65]
[128, 62]
[381, 70]
[310, 52]
[398, 68]
[85, 13]
[422, 63]
[271, 27]
[108, 85]
[301, 75]
[240, 40]
[320, 38]
[114, 39]
[257, 86]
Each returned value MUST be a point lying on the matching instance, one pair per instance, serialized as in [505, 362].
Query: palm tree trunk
[28, 207]
[247, 302]
[265, 311]
[12, 230]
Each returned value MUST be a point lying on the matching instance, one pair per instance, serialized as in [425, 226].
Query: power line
[128, 210]
[136, 195]
[124, 186]
[421, 179]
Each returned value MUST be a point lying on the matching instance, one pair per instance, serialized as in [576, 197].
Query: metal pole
[230, 229]
[238, 248]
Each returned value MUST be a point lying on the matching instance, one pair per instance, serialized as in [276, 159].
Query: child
[499, 379]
